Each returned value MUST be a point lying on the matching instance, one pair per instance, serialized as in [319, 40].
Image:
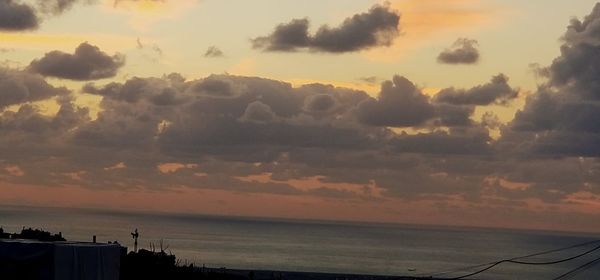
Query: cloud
[432, 22]
[463, 51]
[400, 104]
[257, 135]
[258, 112]
[376, 28]
[369, 80]
[550, 146]
[87, 63]
[221, 126]
[216, 87]
[18, 87]
[59, 6]
[229, 130]
[15, 16]
[213, 51]
[453, 115]
[286, 37]
[497, 91]
[456, 141]
[228, 127]
[320, 103]
[151, 52]
[490, 120]
[561, 117]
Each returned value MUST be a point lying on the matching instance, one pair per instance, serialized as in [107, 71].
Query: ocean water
[317, 246]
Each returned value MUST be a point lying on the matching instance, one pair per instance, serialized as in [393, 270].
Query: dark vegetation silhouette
[158, 263]
[33, 234]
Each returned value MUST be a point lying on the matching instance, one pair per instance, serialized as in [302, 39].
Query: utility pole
[135, 236]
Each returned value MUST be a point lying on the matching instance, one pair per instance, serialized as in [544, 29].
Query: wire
[526, 263]
[490, 265]
[572, 273]
[516, 258]
[557, 261]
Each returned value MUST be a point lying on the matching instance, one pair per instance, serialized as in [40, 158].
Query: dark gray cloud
[213, 51]
[400, 104]
[258, 112]
[491, 120]
[561, 117]
[227, 127]
[552, 141]
[456, 141]
[321, 103]
[20, 16]
[17, 87]
[375, 28]
[453, 115]
[16, 16]
[223, 128]
[497, 91]
[286, 37]
[215, 87]
[463, 51]
[87, 63]
[576, 68]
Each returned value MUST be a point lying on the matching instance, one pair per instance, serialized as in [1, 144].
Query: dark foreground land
[270, 275]
[141, 265]
[160, 265]
[275, 275]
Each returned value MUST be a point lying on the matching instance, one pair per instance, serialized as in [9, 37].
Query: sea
[321, 246]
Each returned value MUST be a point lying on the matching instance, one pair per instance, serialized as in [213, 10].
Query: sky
[446, 112]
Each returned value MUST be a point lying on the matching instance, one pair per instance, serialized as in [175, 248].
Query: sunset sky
[454, 112]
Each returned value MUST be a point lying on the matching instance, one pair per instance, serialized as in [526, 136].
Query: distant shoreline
[147, 212]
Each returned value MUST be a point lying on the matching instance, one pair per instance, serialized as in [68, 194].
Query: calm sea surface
[274, 244]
